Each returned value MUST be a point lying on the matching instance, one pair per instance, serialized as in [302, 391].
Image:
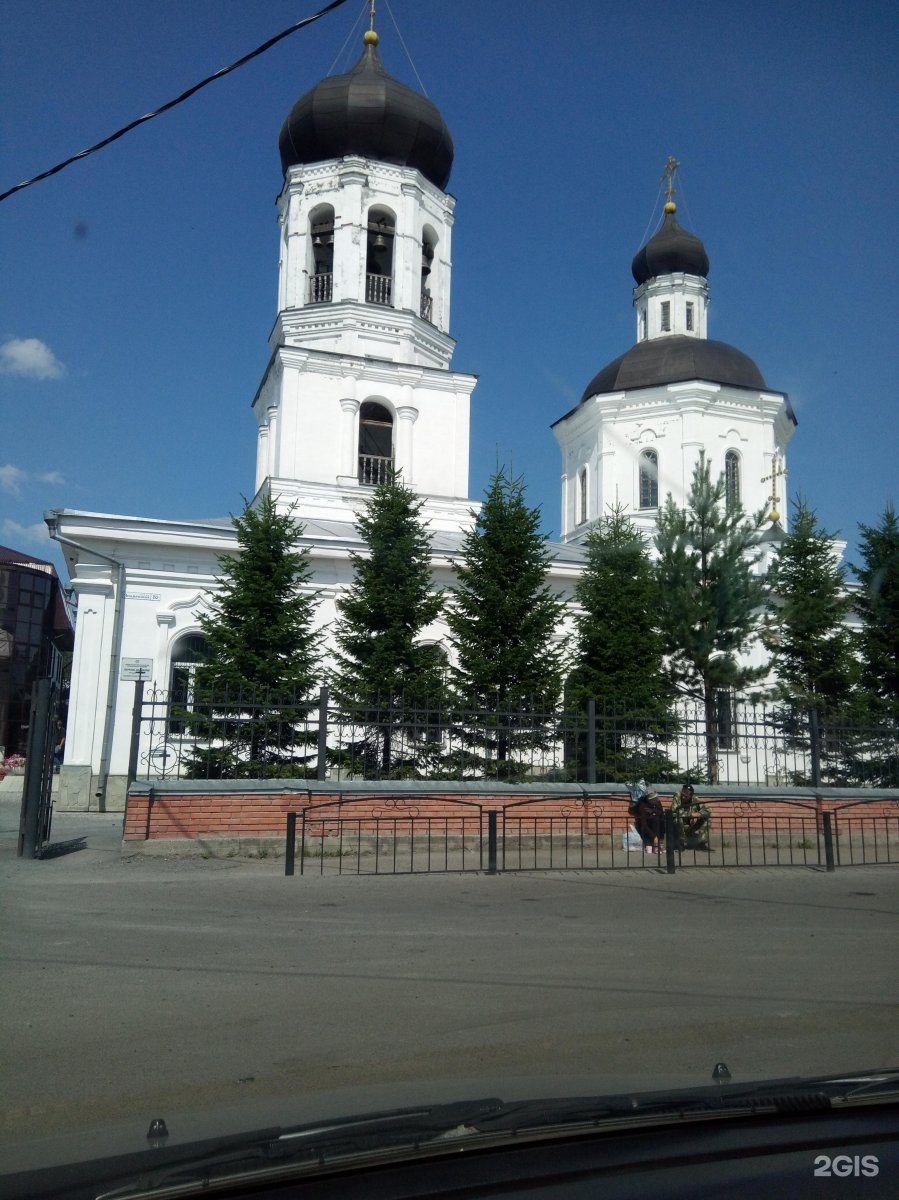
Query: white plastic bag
[631, 840]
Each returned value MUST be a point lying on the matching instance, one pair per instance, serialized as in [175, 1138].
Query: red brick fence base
[228, 818]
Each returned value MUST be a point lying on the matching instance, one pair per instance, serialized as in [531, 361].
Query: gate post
[814, 732]
[491, 841]
[136, 713]
[669, 841]
[36, 769]
[322, 767]
[291, 843]
[591, 741]
[828, 841]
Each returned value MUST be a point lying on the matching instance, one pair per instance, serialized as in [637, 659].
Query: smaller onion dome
[369, 113]
[671, 251]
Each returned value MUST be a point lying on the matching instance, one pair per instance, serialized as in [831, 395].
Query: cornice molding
[341, 365]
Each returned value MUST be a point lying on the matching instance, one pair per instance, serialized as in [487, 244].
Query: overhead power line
[178, 99]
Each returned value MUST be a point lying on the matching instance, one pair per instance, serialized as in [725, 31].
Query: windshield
[406, 703]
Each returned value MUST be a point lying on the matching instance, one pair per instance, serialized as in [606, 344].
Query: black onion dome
[671, 251]
[367, 112]
[676, 359]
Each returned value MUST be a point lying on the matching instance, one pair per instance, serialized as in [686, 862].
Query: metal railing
[247, 734]
[427, 304]
[540, 835]
[378, 289]
[393, 839]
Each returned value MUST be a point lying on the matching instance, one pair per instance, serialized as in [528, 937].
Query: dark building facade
[35, 630]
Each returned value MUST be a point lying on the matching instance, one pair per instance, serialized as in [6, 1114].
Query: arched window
[428, 249]
[582, 496]
[732, 478]
[375, 443]
[187, 652]
[439, 659]
[649, 479]
[321, 268]
[379, 256]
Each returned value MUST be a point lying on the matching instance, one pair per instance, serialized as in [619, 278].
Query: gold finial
[778, 471]
[370, 38]
[671, 165]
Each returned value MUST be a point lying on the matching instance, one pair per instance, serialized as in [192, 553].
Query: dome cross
[778, 471]
[671, 166]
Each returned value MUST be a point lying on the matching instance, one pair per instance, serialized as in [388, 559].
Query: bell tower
[359, 380]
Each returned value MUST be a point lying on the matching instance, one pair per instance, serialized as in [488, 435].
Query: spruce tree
[503, 622]
[811, 647]
[709, 597]
[261, 661]
[878, 606]
[386, 677]
[618, 658]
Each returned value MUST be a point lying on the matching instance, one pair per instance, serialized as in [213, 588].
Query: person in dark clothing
[649, 820]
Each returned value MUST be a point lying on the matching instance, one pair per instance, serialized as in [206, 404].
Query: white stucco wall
[308, 407]
[679, 422]
[171, 573]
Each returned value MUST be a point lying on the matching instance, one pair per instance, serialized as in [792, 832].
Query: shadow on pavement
[57, 849]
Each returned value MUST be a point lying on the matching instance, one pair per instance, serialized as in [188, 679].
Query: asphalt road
[220, 994]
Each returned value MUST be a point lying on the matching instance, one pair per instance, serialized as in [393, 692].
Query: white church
[359, 381]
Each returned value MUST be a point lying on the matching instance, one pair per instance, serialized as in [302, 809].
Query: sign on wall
[136, 668]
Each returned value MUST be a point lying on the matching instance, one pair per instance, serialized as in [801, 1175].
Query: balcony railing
[377, 289]
[373, 469]
[427, 304]
[321, 289]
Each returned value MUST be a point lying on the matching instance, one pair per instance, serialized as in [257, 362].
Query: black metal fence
[389, 843]
[749, 742]
[527, 837]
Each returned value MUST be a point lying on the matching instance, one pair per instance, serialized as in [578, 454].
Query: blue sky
[140, 284]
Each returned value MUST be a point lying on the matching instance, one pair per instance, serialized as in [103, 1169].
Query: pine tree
[811, 647]
[709, 597]
[618, 659]
[503, 623]
[389, 679]
[261, 660]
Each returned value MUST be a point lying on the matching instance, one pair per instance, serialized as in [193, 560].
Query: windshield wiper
[784, 1096]
[270, 1151]
[400, 1134]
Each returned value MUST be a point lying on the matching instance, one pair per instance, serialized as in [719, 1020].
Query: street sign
[136, 668]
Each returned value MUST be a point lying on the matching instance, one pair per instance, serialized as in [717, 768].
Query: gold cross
[778, 471]
[668, 174]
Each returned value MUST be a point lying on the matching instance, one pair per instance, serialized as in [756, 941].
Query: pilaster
[406, 415]
[90, 667]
